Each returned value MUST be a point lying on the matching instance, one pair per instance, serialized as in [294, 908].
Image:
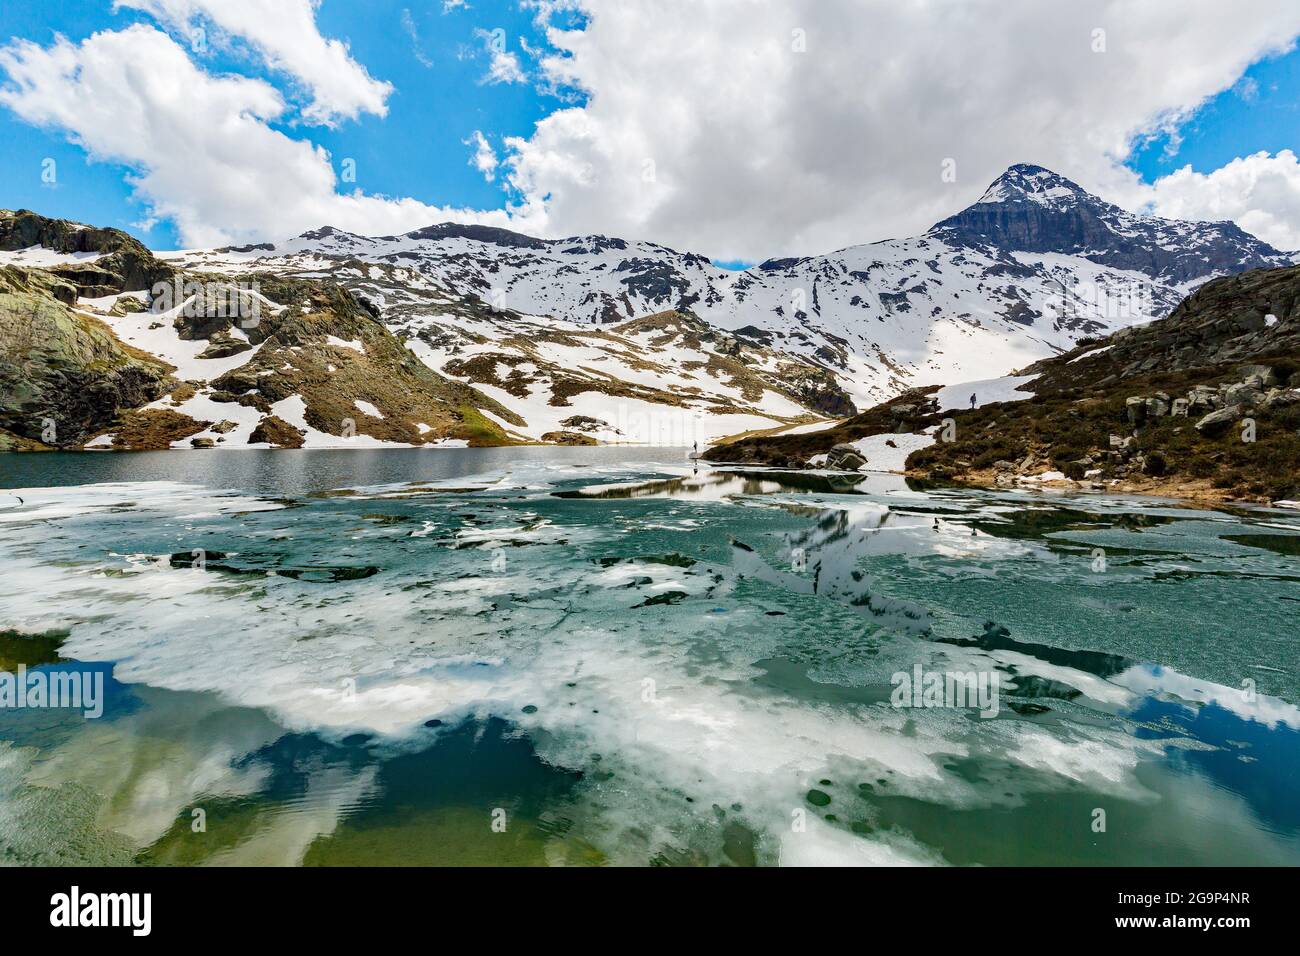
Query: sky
[738, 129]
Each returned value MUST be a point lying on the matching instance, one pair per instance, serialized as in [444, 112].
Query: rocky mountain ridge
[87, 359]
[582, 339]
[1204, 404]
[1037, 264]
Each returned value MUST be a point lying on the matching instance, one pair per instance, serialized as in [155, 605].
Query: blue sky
[658, 81]
[417, 150]
[1261, 112]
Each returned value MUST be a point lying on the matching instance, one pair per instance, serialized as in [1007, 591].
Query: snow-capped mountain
[463, 333]
[1031, 209]
[1036, 264]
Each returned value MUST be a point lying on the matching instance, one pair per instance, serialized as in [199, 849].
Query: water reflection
[635, 664]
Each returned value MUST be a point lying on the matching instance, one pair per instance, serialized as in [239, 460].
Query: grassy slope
[1080, 403]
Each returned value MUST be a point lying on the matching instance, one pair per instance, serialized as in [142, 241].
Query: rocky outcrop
[277, 433]
[324, 345]
[844, 457]
[64, 376]
[1216, 422]
[1205, 402]
[153, 429]
[568, 438]
[123, 263]
[1240, 319]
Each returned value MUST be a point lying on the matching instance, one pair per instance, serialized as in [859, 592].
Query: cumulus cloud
[284, 33]
[503, 66]
[739, 128]
[1261, 193]
[748, 129]
[201, 146]
[485, 157]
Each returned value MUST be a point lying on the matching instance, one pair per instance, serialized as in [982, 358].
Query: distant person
[972, 401]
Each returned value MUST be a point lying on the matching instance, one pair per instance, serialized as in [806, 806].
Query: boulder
[569, 438]
[276, 431]
[1279, 398]
[1135, 409]
[1203, 397]
[1262, 375]
[845, 458]
[221, 345]
[1217, 421]
[1242, 393]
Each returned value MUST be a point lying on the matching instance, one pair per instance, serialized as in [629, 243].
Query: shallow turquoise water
[583, 656]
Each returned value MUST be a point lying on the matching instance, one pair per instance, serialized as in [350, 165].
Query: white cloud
[409, 27]
[504, 66]
[284, 33]
[1261, 193]
[702, 125]
[760, 150]
[204, 154]
[485, 157]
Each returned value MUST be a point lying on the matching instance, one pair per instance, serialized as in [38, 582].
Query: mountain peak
[492, 235]
[1025, 182]
[1032, 209]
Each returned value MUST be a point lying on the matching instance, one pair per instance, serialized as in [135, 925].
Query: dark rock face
[593, 244]
[64, 376]
[125, 264]
[22, 229]
[492, 234]
[1031, 209]
[818, 390]
[655, 281]
[778, 265]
